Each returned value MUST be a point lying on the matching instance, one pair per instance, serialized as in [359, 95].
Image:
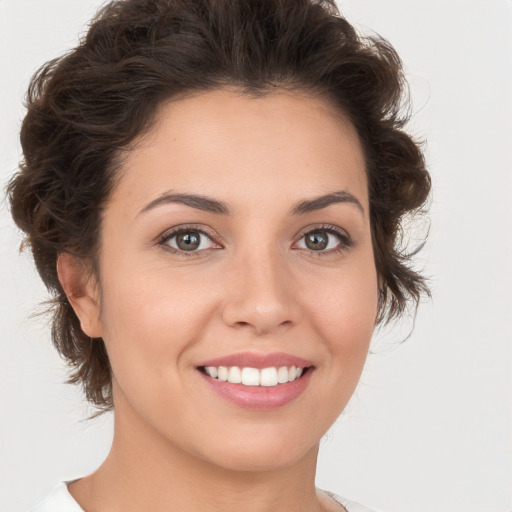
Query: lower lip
[259, 397]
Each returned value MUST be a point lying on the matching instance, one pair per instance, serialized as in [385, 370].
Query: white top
[60, 500]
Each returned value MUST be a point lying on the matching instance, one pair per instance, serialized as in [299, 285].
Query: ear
[82, 292]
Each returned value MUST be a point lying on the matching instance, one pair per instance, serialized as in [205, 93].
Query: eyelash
[345, 241]
[166, 237]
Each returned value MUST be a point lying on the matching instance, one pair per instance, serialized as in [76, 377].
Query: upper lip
[258, 360]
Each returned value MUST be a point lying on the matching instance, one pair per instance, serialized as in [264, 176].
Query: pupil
[317, 240]
[188, 241]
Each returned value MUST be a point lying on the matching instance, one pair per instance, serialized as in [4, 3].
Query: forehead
[239, 148]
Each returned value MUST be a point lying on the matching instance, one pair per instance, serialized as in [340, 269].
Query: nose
[259, 293]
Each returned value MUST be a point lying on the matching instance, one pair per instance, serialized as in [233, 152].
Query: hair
[85, 107]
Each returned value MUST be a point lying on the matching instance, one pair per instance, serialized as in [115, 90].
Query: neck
[146, 471]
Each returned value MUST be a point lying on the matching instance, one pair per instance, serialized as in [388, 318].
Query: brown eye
[188, 241]
[317, 240]
[325, 240]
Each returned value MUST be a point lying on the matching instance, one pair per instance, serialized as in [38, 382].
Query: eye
[325, 239]
[188, 240]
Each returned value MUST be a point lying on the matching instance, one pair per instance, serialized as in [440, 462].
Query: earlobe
[82, 292]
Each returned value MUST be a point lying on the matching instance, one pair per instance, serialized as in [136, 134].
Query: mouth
[257, 381]
[255, 377]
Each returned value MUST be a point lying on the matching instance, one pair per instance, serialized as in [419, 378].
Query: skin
[254, 285]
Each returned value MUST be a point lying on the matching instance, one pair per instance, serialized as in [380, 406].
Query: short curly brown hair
[86, 106]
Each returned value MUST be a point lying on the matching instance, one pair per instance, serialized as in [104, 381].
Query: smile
[257, 380]
[247, 376]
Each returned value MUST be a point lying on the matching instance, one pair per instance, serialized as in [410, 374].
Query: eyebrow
[219, 207]
[320, 202]
[193, 200]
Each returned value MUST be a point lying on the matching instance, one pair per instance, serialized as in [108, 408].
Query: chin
[260, 453]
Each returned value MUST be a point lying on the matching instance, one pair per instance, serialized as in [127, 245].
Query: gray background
[429, 426]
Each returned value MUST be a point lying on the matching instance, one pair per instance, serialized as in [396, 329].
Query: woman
[212, 191]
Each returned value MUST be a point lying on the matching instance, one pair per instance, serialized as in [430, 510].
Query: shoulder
[350, 506]
[59, 500]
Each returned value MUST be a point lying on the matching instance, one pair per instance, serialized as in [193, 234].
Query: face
[238, 236]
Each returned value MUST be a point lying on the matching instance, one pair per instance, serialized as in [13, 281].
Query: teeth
[253, 377]
[250, 377]
[223, 373]
[282, 375]
[268, 377]
[235, 375]
[212, 371]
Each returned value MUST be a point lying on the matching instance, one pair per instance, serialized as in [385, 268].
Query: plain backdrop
[429, 428]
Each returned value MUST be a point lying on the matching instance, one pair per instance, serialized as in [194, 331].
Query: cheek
[345, 310]
[150, 317]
